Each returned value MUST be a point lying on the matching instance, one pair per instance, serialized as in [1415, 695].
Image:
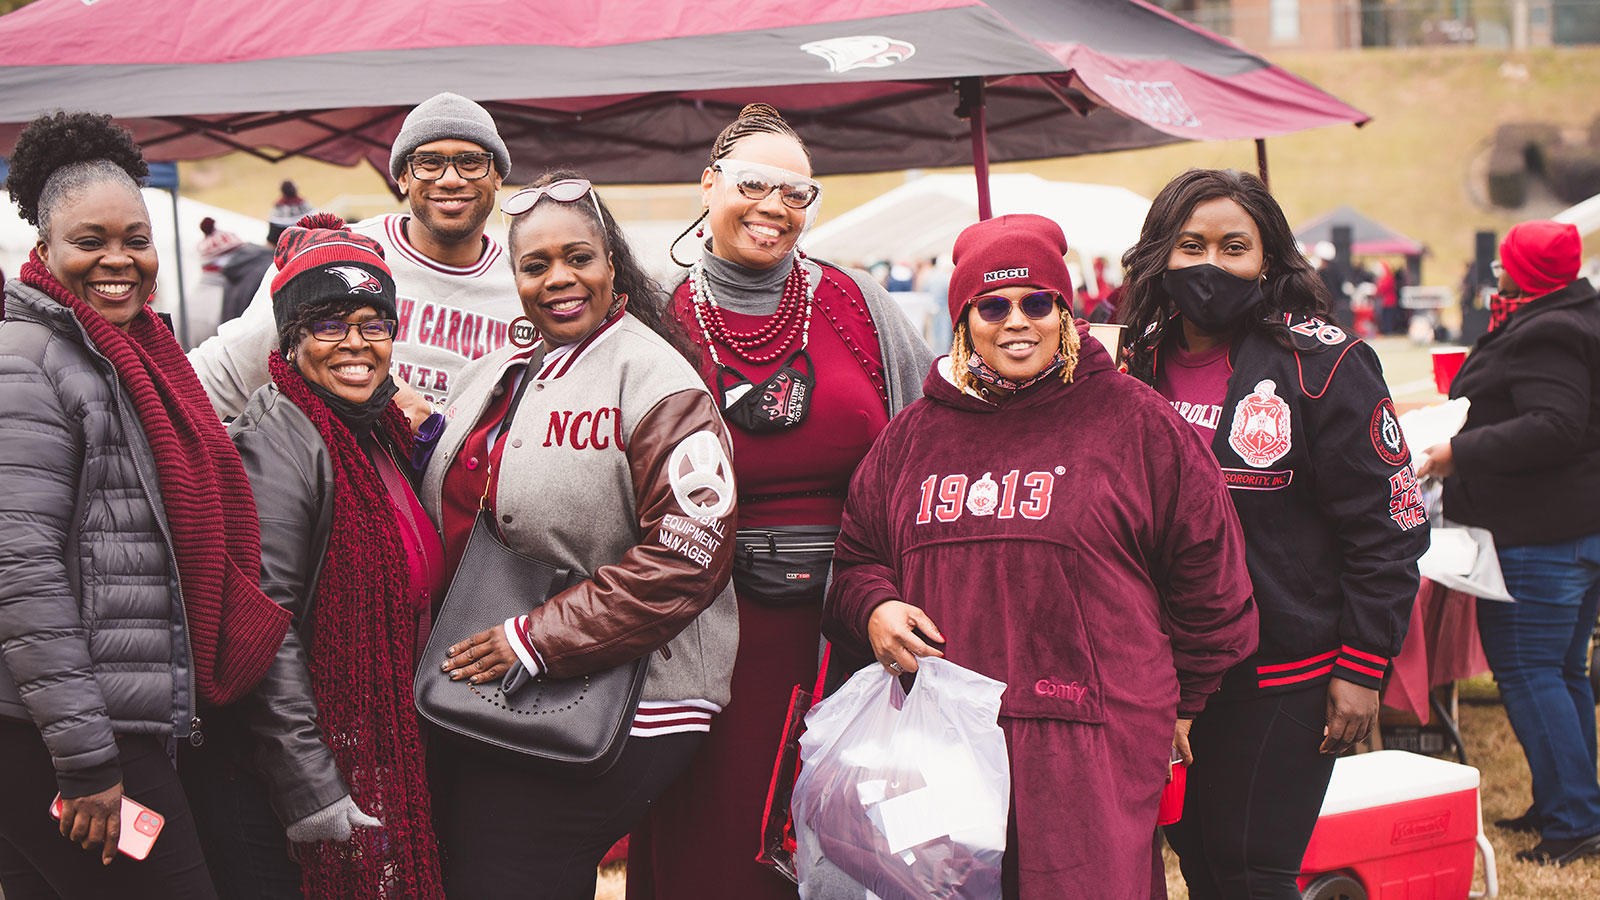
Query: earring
[522, 332]
[700, 232]
[618, 301]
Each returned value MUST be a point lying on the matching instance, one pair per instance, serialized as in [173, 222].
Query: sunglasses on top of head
[757, 181]
[567, 190]
[995, 308]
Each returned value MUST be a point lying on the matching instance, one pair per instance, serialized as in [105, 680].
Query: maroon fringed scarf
[363, 657]
[234, 629]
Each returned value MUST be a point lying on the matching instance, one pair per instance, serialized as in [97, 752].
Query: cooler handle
[1491, 883]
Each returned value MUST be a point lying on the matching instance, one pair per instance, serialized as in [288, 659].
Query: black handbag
[783, 566]
[575, 726]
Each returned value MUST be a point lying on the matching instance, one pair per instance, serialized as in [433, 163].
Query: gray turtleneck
[756, 292]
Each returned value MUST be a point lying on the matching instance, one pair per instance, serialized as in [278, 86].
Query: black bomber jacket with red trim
[1321, 478]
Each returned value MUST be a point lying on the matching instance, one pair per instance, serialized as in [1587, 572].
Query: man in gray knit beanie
[455, 294]
[445, 116]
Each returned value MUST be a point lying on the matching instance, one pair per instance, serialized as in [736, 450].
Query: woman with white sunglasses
[598, 450]
[808, 361]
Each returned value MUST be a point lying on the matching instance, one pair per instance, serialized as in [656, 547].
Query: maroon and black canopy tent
[635, 90]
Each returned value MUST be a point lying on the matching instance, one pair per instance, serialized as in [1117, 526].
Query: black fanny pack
[783, 566]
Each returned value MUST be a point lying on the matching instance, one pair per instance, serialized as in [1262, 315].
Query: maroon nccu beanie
[1008, 251]
[320, 259]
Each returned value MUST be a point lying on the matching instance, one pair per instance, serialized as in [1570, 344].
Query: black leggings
[501, 826]
[37, 863]
[1254, 794]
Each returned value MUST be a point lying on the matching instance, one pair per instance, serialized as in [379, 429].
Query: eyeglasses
[1496, 268]
[567, 190]
[995, 308]
[431, 166]
[373, 330]
[757, 181]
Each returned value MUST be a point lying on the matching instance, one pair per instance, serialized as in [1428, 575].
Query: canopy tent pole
[970, 107]
[177, 258]
[1261, 161]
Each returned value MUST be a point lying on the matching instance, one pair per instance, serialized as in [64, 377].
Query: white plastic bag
[906, 795]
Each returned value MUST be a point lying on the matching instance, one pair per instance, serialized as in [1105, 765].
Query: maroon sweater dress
[702, 837]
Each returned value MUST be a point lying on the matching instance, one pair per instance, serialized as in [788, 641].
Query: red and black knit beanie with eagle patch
[320, 259]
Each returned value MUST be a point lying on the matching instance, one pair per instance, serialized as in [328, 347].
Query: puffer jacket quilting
[92, 641]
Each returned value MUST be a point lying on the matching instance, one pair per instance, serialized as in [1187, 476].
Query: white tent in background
[17, 238]
[922, 218]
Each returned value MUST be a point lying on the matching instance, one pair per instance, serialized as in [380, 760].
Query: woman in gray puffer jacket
[128, 540]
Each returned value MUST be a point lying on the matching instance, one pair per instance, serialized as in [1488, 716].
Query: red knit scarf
[363, 657]
[234, 629]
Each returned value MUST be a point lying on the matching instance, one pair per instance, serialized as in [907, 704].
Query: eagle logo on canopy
[861, 51]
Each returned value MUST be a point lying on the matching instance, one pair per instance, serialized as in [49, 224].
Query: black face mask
[779, 402]
[1212, 299]
[358, 417]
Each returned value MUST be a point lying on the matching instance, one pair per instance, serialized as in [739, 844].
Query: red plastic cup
[1446, 363]
[1171, 809]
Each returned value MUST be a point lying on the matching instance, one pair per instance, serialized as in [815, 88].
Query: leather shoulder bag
[577, 726]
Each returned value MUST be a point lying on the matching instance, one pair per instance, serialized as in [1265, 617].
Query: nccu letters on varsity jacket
[1311, 449]
[618, 466]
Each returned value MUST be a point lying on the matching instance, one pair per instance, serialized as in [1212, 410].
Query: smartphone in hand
[140, 826]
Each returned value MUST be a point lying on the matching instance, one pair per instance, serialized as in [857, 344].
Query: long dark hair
[755, 118]
[647, 301]
[1291, 285]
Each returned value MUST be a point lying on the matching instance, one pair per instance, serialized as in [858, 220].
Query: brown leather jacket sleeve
[680, 458]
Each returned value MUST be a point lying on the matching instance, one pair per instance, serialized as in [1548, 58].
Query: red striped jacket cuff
[1360, 667]
[1309, 669]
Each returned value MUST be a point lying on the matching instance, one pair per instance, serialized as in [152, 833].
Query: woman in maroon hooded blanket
[1070, 536]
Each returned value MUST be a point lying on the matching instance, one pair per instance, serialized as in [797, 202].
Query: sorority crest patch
[1386, 436]
[1260, 432]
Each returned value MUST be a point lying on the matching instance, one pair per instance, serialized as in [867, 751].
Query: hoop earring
[522, 332]
[672, 248]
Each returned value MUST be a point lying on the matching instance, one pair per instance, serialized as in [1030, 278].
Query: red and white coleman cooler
[1398, 826]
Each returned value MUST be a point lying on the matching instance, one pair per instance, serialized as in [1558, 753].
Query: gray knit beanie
[444, 117]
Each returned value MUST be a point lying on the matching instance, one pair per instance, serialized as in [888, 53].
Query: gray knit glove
[331, 823]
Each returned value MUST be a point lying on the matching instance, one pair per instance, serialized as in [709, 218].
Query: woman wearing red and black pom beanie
[329, 745]
[129, 552]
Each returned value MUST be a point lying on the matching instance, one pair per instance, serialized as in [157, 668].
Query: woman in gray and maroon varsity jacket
[1057, 527]
[1299, 419]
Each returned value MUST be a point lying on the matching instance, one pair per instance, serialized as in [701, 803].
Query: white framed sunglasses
[567, 190]
[757, 181]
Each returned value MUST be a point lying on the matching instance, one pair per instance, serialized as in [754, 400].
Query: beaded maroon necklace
[798, 293]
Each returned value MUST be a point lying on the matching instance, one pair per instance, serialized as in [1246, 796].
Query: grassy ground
[1504, 792]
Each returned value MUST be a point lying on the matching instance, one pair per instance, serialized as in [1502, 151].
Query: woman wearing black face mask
[1233, 332]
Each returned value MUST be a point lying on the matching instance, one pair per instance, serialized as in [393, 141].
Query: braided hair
[647, 301]
[59, 155]
[755, 118]
[1290, 285]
